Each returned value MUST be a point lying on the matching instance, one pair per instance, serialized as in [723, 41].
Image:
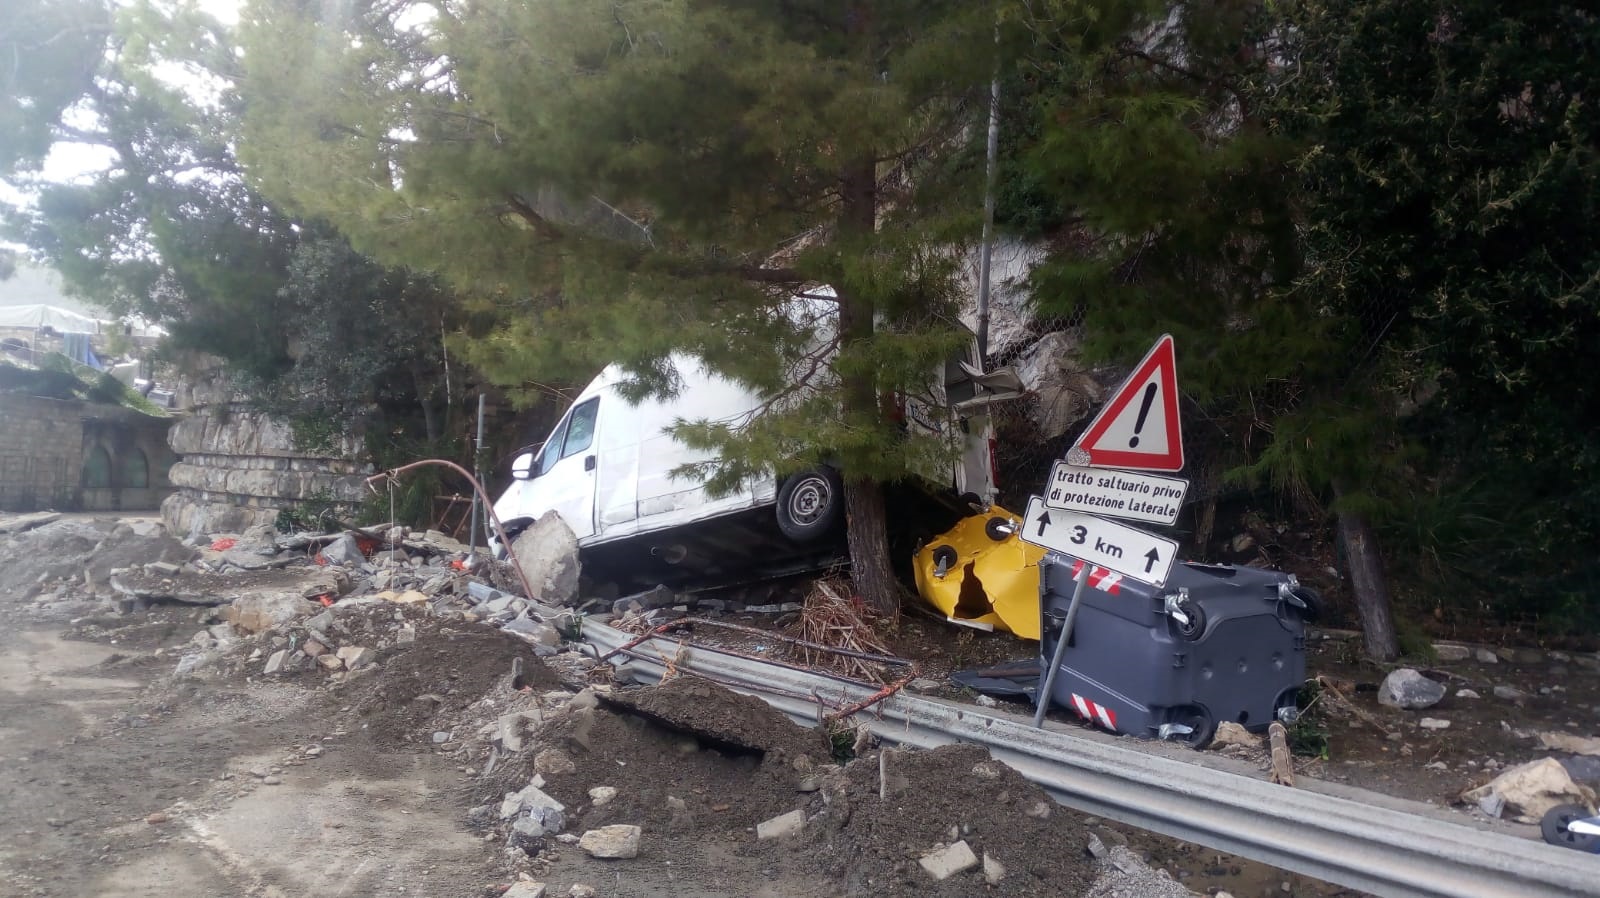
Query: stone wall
[240, 467]
[79, 456]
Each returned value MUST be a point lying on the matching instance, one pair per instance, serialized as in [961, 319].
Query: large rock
[257, 612]
[617, 841]
[1533, 788]
[1409, 690]
[1010, 303]
[1067, 391]
[548, 555]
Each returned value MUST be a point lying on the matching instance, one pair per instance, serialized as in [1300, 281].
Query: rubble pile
[877, 825]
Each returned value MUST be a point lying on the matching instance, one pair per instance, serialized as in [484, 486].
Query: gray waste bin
[1216, 643]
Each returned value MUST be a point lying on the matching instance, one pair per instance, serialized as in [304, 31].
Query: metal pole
[477, 470]
[990, 173]
[1043, 700]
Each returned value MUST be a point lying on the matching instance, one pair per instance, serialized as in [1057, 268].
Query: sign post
[1138, 430]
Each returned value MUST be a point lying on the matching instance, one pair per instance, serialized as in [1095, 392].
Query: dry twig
[830, 618]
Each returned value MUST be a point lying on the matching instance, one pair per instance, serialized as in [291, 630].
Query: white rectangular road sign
[1115, 494]
[1134, 553]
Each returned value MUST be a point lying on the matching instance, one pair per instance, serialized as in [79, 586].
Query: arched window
[135, 470]
[97, 469]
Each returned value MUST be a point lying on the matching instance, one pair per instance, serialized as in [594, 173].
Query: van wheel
[810, 504]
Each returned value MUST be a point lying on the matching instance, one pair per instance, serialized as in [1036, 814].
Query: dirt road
[96, 742]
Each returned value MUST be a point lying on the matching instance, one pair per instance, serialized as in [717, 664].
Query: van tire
[810, 504]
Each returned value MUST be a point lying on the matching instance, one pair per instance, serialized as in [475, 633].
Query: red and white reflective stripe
[1100, 578]
[1095, 713]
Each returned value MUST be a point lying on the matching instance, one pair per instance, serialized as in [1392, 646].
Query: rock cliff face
[239, 467]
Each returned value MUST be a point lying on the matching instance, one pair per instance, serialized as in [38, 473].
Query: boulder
[257, 612]
[344, 551]
[1533, 788]
[619, 841]
[548, 555]
[1409, 690]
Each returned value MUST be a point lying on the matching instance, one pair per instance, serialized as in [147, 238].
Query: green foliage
[650, 182]
[1309, 733]
[317, 513]
[59, 377]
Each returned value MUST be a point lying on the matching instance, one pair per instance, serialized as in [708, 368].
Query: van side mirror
[522, 467]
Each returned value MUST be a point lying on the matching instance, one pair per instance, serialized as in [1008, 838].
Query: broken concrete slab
[949, 861]
[618, 841]
[533, 631]
[781, 826]
[355, 657]
[275, 662]
[343, 550]
[259, 612]
[1533, 788]
[547, 552]
[525, 890]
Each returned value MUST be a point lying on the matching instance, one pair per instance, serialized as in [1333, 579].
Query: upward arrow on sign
[1139, 428]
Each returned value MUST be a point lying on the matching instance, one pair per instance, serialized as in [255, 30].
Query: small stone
[1409, 690]
[616, 841]
[275, 662]
[602, 795]
[330, 662]
[1230, 733]
[441, 737]
[985, 701]
[525, 890]
[314, 648]
[553, 762]
[259, 772]
[1438, 765]
[156, 818]
[781, 826]
[579, 890]
[988, 770]
[1509, 693]
[1039, 811]
[924, 685]
[568, 839]
[355, 657]
[272, 781]
[1434, 723]
[1447, 651]
[1467, 693]
[993, 870]
[405, 635]
[1484, 656]
[1097, 848]
[948, 861]
[314, 751]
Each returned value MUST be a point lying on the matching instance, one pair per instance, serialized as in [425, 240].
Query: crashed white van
[607, 469]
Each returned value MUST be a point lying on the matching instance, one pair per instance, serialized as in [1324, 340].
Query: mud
[722, 718]
[419, 686]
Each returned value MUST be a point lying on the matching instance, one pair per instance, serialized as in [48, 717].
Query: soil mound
[71, 548]
[722, 718]
[428, 683]
[950, 793]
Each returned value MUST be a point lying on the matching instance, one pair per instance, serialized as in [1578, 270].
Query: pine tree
[647, 177]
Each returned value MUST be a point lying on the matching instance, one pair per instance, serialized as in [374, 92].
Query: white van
[607, 469]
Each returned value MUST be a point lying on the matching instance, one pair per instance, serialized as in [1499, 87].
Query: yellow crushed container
[981, 573]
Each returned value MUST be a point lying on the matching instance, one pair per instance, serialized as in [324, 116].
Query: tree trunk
[1369, 585]
[866, 517]
[867, 527]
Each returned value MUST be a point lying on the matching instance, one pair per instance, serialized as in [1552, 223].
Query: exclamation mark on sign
[1144, 412]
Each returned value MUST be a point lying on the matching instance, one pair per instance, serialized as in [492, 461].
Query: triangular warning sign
[1139, 428]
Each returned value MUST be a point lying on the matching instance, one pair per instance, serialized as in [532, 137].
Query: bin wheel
[945, 557]
[999, 529]
[1554, 828]
[1315, 606]
[810, 503]
[1286, 707]
[1196, 627]
[1201, 726]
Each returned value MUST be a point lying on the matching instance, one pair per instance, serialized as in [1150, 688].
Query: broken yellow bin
[980, 573]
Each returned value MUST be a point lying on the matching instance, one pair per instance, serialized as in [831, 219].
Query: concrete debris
[24, 522]
[330, 662]
[275, 662]
[924, 686]
[548, 554]
[1434, 723]
[580, 890]
[1509, 693]
[553, 762]
[314, 648]
[344, 550]
[1409, 690]
[782, 826]
[1230, 733]
[531, 796]
[618, 841]
[1533, 788]
[355, 657]
[260, 612]
[601, 796]
[993, 870]
[405, 597]
[1467, 693]
[1447, 651]
[1578, 745]
[525, 890]
[946, 862]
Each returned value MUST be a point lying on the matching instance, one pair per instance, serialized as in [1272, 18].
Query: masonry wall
[77, 456]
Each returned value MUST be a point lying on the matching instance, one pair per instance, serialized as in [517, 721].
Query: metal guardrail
[1375, 849]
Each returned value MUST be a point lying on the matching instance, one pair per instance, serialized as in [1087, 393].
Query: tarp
[39, 315]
